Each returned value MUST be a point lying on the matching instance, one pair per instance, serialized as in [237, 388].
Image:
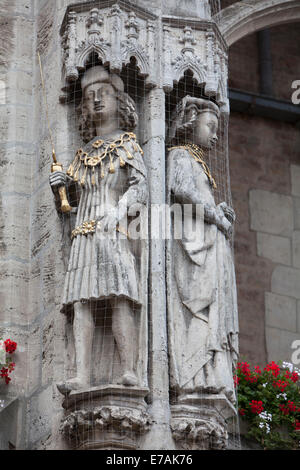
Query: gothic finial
[132, 26]
[94, 18]
[188, 38]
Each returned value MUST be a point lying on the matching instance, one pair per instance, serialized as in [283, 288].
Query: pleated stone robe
[201, 289]
[110, 266]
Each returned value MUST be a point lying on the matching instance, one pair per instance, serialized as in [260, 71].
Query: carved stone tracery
[117, 33]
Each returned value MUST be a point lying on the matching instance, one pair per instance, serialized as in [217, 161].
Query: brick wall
[264, 153]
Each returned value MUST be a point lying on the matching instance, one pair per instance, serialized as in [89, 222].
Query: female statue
[202, 307]
[104, 272]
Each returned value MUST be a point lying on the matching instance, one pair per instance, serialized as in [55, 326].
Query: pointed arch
[243, 18]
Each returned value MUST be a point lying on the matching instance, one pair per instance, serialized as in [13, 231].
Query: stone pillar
[159, 436]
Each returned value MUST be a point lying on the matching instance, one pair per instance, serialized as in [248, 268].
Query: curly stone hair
[127, 114]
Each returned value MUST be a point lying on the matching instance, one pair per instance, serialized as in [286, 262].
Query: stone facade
[32, 250]
[264, 190]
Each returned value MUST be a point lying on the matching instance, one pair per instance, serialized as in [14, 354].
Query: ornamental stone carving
[199, 429]
[114, 33]
[117, 33]
[203, 53]
[106, 417]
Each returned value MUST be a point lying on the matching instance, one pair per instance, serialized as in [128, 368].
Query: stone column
[159, 436]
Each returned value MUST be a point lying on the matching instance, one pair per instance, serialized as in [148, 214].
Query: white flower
[266, 416]
[288, 365]
[263, 425]
[282, 395]
[264, 385]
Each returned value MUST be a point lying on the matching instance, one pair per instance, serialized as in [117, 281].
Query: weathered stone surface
[19, 87]
[48, 354]
[296, 201]
[15, 7]
[277, 249]
[14, 123]
[286, 281]
[16, 165]
[45, 26]
[295, 176]
[14, 278]
[271, 212]
[281, 312]
[11, 429]
[40, 415]
[296, 249]
[279, 344]
[298, 316]
[32, 360]
[44, 220]
[6, 32]
[23, 43]
[15, 213]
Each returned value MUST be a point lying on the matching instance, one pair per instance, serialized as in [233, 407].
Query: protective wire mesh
[105, 294]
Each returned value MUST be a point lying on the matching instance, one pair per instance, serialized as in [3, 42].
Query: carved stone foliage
[107, 417]
[123, 422]
[200, 428]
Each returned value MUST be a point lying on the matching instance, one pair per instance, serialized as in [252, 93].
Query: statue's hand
[228, 212]
[226, 227]
[56, 179]
[108, 223]
[222, 222]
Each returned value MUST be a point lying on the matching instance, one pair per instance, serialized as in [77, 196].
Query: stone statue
[202, 306]
[103, 279]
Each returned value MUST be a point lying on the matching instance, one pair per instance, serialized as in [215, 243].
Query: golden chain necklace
[197, 153]
[105, 150]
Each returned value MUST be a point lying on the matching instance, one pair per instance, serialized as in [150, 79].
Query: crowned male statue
[104, 272]
[202, 307]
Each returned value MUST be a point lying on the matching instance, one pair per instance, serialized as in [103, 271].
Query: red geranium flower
[294, 377]
[274, 368]
[297, 425]
[256, 406]
[10, 346]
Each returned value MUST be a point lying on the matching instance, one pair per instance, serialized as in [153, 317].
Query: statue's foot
[73, 384]
[128, 379]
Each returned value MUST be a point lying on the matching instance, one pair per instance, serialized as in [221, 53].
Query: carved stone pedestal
[199, 422]
[106, 417]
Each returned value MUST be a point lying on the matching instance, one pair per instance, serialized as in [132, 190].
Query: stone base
[199, 422]
[106, 417]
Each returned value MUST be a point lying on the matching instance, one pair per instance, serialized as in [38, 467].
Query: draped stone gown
[202, 305]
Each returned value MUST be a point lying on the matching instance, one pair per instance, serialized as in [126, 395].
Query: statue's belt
[89, 226]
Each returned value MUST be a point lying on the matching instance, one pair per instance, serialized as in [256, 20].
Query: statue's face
[101, 102]
[205, 130]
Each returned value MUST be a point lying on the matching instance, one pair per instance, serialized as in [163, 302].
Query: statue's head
[195, 120]
[103, 101]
